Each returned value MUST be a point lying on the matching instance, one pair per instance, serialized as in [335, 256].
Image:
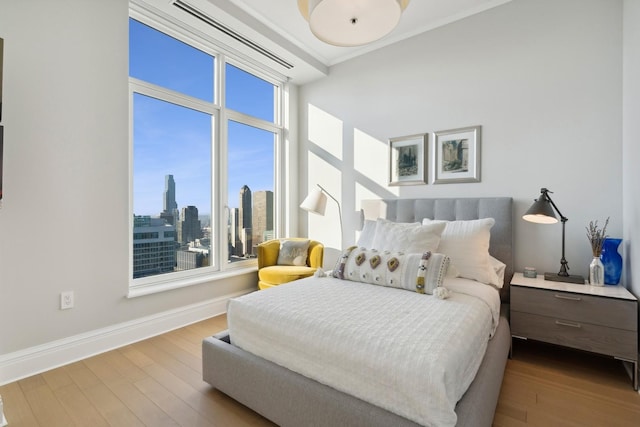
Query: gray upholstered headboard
[414, 210]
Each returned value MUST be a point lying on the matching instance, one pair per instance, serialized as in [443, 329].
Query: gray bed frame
[290, 399]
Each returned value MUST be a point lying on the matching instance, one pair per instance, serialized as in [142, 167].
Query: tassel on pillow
[319, 273]
[441, 292]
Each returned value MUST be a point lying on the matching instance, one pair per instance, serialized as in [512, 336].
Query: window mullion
[174, 97]
[252, 121]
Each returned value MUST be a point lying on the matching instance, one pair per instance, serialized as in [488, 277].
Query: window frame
[220, 210]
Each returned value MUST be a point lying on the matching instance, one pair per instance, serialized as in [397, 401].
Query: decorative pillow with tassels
[420, 273]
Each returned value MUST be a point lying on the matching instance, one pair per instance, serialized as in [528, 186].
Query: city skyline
[170, 192]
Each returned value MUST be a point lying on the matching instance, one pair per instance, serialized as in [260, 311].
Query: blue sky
[170, 139]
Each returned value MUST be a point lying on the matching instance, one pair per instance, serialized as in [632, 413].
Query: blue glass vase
[612, 261]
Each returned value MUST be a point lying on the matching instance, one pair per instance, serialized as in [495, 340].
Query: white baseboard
[30, 361]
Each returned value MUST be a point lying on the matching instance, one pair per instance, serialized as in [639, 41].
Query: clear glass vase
[596, 272]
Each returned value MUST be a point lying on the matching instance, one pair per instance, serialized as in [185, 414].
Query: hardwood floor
[157, 382]
[545, 385]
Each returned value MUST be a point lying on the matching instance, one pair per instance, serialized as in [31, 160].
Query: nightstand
[599, 319]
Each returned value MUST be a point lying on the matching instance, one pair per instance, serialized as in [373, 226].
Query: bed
[291, 397]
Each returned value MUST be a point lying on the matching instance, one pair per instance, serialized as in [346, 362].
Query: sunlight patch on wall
[325, 131]
[371, 157]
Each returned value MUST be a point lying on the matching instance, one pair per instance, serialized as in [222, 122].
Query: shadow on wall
[352, 166]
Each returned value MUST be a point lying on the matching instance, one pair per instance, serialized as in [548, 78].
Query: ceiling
[277, 28]
[284, 17]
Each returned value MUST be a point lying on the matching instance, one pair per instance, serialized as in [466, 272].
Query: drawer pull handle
[569, 298]
[571, 324]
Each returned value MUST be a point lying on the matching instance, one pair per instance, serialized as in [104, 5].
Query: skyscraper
[170, 207]
[244, 219]
[235, 245]
[154, 246]
[262, 216]
[189, 228]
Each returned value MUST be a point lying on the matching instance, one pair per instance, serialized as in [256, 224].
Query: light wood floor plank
[213, 406]
[191, 376]
[16, 408]
[171, 404]
[111, 407]
[57, 379]
[158, 382]
[188, 358]
[45, 407]
[78, 406]
[81, 375]
[550, 386]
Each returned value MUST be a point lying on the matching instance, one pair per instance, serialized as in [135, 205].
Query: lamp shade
[541, 212]
[315, 202]
[351, 23]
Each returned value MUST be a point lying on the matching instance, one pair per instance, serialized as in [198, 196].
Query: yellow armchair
[271, 274]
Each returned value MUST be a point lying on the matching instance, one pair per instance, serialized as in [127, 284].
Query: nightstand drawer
[580, 335]
[616, 313]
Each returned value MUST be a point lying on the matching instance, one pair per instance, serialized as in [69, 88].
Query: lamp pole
[564, 265]
[339, 210]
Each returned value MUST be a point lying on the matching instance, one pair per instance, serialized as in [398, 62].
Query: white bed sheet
[412, 354]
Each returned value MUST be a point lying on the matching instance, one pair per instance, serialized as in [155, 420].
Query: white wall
[64, 219]
[631, 143]
[543, 78]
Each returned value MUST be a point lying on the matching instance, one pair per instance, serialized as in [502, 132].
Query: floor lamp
[316, 202]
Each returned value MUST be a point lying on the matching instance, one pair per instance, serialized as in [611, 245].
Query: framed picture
[408, 159]
[456, 155]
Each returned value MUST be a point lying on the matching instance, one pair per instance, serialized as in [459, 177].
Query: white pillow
[367, 234]
[415, 272]
[499, 267]
[293, 252]
[467, 244]
[406, 237]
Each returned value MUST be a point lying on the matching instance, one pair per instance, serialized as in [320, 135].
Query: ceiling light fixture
[351, 22]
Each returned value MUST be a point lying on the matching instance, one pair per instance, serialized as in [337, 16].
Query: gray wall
[543, 78]
[631, 144]
[64, 219]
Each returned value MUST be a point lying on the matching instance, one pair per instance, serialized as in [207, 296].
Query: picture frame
[456, 155]
[408, 159]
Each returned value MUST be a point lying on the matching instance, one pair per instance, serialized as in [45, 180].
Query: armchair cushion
[279, 274]
[293, 252]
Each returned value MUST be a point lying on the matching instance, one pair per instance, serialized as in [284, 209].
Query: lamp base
[554, 277]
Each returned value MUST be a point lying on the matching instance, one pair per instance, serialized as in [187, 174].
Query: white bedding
[412, 354]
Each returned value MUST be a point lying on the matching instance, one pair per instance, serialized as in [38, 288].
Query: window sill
[154, 288]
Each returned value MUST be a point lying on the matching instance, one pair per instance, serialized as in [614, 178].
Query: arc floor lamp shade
[351, 23]
[316, 202]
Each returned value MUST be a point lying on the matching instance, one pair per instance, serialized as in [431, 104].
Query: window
[203, 166]
[251, 158]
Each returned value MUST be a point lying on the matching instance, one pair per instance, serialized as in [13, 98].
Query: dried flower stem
[596, 236]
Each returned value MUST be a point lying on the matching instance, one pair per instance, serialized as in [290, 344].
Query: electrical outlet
[66, 300]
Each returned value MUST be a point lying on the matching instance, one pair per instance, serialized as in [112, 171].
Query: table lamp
[542, 212]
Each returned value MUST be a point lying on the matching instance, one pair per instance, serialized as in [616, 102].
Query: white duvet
[412, 354]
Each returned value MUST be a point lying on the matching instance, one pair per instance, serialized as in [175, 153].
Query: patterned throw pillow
[293, 252]
[420, 273]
